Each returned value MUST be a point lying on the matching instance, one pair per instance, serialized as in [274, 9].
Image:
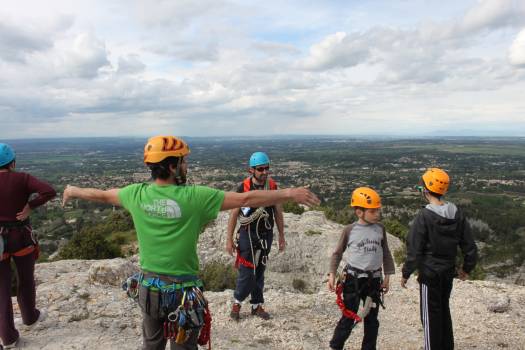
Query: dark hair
[433, 194]
[161, 170]
[6, 166]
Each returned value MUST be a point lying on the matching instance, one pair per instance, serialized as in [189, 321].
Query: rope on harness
[346, 312]
[258, 215]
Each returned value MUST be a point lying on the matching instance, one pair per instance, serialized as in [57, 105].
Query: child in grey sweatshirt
[364, 249]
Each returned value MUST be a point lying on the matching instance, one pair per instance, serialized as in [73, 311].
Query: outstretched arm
[91, 194]
[257, 199]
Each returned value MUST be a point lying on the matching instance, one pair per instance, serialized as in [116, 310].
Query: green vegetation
[488, 181]
[299, 285]
[292, 207]
[396, 228]
[218, 276]
[312, 232]
[400, 255]
[89, 244]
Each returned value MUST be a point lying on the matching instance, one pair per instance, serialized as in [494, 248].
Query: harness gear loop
[182, 304]
[205, 334]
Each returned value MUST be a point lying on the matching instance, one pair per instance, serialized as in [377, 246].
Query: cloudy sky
[242, 68]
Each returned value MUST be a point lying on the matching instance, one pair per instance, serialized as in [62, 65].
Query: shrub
[400, 255]
[292, 207]
[299, 284]
[218, 276]
[396, 228]
[89, 244]
[478, 273]
[312, 232]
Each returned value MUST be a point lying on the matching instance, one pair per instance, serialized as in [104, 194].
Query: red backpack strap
[247, 184]
[273, 184]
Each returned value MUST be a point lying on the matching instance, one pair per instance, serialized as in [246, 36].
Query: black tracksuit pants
[434, 295]
[353, 294]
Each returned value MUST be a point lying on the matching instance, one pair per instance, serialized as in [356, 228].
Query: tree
[89, 244]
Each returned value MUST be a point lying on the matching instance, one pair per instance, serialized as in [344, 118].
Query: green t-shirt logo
[162, 208]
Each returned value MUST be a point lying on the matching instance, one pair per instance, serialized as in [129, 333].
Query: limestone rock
[111, 272]
[88, 310]
[499, 304]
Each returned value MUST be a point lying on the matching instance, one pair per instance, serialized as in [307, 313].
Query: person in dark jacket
[17, 242]
[432, 244]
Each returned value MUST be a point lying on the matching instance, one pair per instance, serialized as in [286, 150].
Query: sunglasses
[262, 168]
[419, 188]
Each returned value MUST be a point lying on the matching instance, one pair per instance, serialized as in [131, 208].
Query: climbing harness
[182, 318]
[259, 255]
[32, 247]
[372, 300]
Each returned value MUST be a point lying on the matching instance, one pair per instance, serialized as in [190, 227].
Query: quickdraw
[205, 335]
[131, 285]
[181, 319]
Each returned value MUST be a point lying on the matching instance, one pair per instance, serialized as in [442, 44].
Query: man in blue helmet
[255, 238]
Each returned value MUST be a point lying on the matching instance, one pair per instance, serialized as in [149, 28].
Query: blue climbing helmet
[259, 158]
[7, 154]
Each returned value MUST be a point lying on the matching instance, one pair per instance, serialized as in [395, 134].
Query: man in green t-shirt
[168, 217]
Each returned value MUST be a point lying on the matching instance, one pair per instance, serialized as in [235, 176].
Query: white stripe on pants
[424, 313]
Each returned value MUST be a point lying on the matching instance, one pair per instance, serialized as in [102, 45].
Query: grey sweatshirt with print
[364, 247]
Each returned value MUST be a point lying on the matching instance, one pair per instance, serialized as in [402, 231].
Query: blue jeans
[250, 281]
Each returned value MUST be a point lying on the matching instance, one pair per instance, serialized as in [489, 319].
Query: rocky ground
[88, 310]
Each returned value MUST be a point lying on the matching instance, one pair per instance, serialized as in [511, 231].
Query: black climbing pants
[353, 294]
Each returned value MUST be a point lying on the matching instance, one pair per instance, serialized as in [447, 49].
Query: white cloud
[18, 40]
[86, 56]
[337, 51]
[130, 64]
[493, 14]
[517, 50]
[217, 67]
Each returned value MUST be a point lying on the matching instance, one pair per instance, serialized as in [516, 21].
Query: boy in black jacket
[436, 233]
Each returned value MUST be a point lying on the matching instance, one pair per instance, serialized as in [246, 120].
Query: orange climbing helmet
[365, 197]
[159, 148]
[436, 180]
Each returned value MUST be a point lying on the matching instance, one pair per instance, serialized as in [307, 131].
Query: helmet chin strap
[365, 220]
[180, 179]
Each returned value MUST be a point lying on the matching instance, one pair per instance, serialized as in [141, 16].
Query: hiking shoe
[235, 313]
[42, 316]
[10, 346]
[259, 311]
